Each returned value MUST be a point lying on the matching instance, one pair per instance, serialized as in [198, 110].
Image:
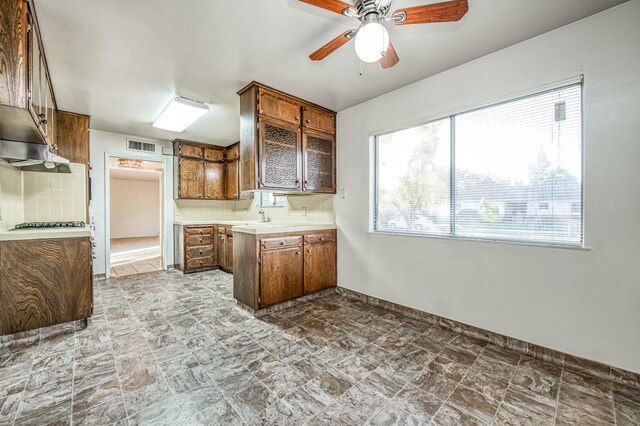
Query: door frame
[107, 203]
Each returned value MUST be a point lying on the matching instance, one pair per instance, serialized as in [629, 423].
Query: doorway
[135, 216]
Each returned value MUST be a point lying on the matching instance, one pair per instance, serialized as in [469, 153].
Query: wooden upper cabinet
[319, 162]
[232, 189]
[191, 151]
[27, 101]
[281, 275]
[214, 188]
[279, 107]
[233, 152]
[318, 119]
[214, 154]
[73, 137]
[272, 128]
[191, 184]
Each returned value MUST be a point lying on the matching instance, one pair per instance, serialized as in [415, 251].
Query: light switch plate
[343, 193]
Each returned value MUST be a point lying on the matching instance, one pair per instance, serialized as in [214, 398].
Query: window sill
[482, 240]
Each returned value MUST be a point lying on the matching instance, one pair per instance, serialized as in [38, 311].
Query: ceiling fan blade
[447, 11]
[332, 46]
[336, 6]
[390, 58]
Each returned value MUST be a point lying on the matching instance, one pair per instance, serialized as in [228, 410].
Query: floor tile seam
[156, 361]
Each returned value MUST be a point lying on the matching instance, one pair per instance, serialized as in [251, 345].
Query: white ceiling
[120, 61]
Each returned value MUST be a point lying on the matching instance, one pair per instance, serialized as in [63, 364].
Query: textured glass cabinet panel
[280, 156]
[319, 165]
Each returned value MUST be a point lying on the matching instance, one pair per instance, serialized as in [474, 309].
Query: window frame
[375, 163]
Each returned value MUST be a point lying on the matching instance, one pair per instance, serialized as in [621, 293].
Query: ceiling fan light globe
[371, 41]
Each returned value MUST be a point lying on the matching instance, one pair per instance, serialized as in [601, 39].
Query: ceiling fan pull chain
[361, 73]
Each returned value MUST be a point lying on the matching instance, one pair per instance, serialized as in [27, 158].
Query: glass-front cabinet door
[279, 155]
[319, 151]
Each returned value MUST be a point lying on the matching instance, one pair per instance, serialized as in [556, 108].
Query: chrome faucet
[261, 213]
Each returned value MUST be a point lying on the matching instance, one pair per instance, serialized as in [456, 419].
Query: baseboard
[583, 365]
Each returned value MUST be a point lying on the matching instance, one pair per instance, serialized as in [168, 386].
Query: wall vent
[134, 145]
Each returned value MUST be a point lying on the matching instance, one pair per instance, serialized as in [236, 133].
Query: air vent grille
[133, 145]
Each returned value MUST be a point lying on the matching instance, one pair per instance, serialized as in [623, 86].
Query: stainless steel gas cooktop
[38, 225]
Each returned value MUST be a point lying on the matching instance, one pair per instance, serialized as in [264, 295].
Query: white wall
[104, 144]
[581, 302]
[135, 208]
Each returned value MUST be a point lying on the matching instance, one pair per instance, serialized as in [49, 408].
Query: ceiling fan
[371, 38]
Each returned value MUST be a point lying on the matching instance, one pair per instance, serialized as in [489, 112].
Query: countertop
[43, 233]
[255, 227]
[214, 222]
[277, 228]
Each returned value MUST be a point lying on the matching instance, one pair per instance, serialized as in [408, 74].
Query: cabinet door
[319, 267]
[275, 106]
[73, 137]
[221, 248]
[279, 155]
[191, 151]
[233, 152]
[191, 178]
[213, 181]
[319, 162]
[317, 119]
[280, 275]
[232, 180]
[229, 262]
[35, 75]
[214, 154]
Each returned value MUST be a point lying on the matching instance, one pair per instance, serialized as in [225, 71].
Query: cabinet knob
[308, 250]
[321, 238]
[307, 121]
[200, 251]
[261, 111]
[297, 253]
[281, 243]
[200, 239]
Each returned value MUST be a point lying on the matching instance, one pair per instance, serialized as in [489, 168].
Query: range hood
[33, 157]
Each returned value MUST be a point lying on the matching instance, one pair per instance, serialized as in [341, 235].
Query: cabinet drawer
[222, 230]
[213, 154]
[199, 231]
[199, 240]
[278, 107]
[191, 151]
[324, 237]
[199, 252]
[318, 119]
[200, 263]
[275, 243]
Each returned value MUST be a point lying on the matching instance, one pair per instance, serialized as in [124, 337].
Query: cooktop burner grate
[37, 225]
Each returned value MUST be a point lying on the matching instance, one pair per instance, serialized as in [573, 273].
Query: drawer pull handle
[200, 251]
[297, 253]
[200, 239]
[308, 250]
[321, 238]
[281, 243]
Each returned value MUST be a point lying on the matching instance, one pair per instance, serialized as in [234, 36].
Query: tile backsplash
[11, 201]
[302, 208]
[55, 196]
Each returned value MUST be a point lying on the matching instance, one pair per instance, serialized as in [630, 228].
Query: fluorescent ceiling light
[180, 114]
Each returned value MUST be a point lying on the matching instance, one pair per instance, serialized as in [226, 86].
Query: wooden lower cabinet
[56, 287]
[277, 268]
[203, 247]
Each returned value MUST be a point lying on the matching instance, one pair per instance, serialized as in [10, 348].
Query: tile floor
[167, 348]
[136, 267]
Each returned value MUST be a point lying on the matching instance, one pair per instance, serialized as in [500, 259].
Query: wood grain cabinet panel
[229, 253]
[276, 106]
[281, 273]
[56, 288]
[191, 151]
[317, 119]
[197, 252]
[214, 154]
[232, 183]
[319, 266]
[191, 178]
[73, 137]
[214, 188]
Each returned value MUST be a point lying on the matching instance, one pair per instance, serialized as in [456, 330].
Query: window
[269, 199]
[510, 171]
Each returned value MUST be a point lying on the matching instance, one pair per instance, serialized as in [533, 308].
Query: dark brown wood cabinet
[55, 289]
[28, 111]
[206, 172]
[203, 247]
[286, 144]
[281, 267]
[73, 137]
